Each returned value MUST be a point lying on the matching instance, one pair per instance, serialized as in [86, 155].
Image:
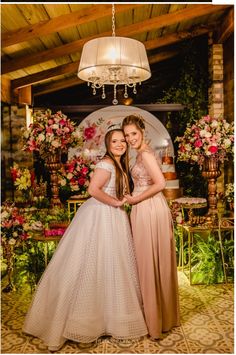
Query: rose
[89, 132]
[81, 181]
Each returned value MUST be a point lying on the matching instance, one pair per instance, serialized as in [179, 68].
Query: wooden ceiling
[42, 43]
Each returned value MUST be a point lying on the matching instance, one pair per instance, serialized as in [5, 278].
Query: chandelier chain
[113, 21]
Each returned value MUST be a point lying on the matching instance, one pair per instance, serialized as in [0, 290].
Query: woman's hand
[132, 200]
[119, 203]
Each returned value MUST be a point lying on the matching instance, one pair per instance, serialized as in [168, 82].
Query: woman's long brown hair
[124, 160]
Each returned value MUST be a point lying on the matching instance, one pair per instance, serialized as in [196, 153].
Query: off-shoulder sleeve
[104, 165]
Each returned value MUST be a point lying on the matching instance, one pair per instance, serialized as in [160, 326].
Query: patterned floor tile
[207, 326]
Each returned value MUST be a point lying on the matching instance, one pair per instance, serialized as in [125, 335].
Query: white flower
[202, 133]
[12, 241]
[55, 126]
[208, 134]
[74, 187]
[41, 137]
[226, 125]
[4, 215]
[227, 142]
[15, 234]
[69, 176]
[195, 157]
[214, 123]
[63, 182]
[55, 144]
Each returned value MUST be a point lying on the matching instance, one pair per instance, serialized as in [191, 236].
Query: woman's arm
[99, 179]
[159, 183]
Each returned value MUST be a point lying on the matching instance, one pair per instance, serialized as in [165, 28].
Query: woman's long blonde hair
[124, 160]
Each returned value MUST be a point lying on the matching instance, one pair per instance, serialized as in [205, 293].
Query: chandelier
[114, 61]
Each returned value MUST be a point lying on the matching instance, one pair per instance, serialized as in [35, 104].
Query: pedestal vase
[211, 172]
[8, 254]
[53, 163]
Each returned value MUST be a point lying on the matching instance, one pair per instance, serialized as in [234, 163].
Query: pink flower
[198, 143]
[84, 170]
[24, 236]
[49, 130]
[213, 149]
[62, 122]
[89, 132]
[81, 181]
[32, 145]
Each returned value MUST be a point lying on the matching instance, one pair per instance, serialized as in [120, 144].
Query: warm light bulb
[112, 53]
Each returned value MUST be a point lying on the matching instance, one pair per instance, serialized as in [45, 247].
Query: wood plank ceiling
[42, 43]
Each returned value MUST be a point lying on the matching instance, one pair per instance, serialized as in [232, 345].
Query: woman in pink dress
[153, 235]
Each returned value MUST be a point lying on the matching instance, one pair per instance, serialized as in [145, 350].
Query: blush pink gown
[155, 253]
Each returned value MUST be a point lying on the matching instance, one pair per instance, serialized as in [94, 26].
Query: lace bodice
[139, 172]
[110, 186]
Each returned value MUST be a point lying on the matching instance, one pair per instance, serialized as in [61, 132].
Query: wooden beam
[176, 37]
[45, 75]
[25, 95]
[60, 23]
[162, 56]
[57, 85]
[92, 108]
[227, 27]
[147, 25]
[64, 83]
[5, 89]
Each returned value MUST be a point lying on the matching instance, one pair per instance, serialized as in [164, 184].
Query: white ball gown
[90, 287]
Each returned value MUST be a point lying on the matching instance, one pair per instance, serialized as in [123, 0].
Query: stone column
[216, 90]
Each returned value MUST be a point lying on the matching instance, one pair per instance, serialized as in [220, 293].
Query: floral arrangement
[54, 232]
[207, 137]
[50, 132]
[14, 226]
[23, 179]
[75, 175]
[92, 138]
[229, 192]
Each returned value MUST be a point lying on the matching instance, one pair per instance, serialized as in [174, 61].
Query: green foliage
[178, 233]
[29, 262]
[190, 90]
[206, 259]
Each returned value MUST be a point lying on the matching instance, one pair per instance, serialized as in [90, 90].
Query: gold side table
[42, 239]
[73, 203]
[201, 229]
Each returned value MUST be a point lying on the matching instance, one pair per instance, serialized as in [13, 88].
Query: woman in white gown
[90, 287]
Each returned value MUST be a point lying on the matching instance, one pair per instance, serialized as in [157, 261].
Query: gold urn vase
[53, 163]
[211, 172]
